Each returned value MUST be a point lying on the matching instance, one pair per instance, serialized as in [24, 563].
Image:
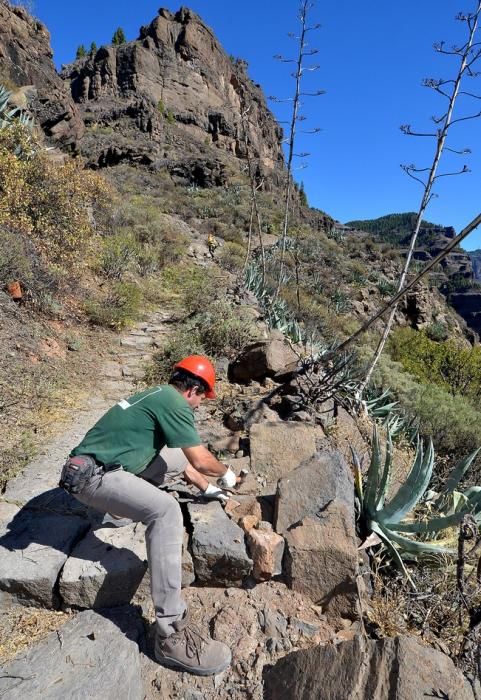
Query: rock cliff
[168, 98]
[27, 69]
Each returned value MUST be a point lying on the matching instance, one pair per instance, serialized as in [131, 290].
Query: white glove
[229, 480]
[215, 493]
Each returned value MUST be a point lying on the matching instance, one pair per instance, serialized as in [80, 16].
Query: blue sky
[372, 59]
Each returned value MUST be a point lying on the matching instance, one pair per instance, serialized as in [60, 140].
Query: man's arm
[204, 462]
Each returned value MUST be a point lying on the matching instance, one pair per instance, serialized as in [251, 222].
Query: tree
[119, 37]
[302, 195]
[81, 52]
[93, 48]
[467, 54]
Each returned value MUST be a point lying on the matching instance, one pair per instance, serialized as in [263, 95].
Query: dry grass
[21, 627]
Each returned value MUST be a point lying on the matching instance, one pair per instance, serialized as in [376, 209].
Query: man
[149, 435]
[211, 244]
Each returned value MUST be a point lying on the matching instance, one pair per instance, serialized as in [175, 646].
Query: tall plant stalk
[303, 52]
[253, 182]
[468, 54]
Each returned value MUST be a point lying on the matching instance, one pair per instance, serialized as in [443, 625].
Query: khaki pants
[128, 496]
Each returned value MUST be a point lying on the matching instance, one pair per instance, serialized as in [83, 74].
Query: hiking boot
[187, 649]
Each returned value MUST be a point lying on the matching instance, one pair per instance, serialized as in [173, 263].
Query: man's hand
[229, 479]
[215, 493]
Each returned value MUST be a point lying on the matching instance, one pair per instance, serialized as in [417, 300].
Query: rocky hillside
[27, 68]
[455, 277]
[475, 256]
[166, 98]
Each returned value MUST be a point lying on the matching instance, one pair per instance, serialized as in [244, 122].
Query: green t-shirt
[134, 431]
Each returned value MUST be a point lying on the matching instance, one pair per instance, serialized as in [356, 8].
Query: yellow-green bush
[232, 256]
[59, 207]
[452, 421]
[120, 307]
[449, 364]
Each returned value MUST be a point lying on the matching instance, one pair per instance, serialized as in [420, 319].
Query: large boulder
[34, 546]
[278, 448]
[398, 669]
[105, 568]
[217, 546]
[315, 512]
[92, 656]
[264, 358]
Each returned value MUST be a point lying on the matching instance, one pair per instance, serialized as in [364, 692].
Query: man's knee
[168, 510]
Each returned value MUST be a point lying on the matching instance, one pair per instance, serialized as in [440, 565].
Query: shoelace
[194, 640]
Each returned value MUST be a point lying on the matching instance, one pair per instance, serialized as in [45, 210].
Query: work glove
[229, 480]
[215, 493]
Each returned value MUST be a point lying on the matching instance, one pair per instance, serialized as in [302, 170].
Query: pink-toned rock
[246, 505]
[266, 549]
[248, 522]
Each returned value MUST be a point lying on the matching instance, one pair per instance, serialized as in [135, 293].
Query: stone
[217, 546]
[398, 669]
[278, 448]
[348, 436]
[273, 357]
[188, 573]
[245, 505]
[308, 490]
[105, 568]
[230, 443]
[247, 413]
[247, 522]
[34, 547]
[7, 511]
[272, 622]
[266, 549]
[315, 513]
[176, 62]
[92, 656]
[321, 561]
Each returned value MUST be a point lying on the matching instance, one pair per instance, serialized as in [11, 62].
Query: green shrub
[452, 421]
[222, 330]
[450, 365]
[120, 255]
[119, 309]
[437, 331]
[184, 342]
[232, 257]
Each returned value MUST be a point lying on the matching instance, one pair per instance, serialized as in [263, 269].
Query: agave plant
[276, 313]
[9, 116]
[385, 411]
[394, 522]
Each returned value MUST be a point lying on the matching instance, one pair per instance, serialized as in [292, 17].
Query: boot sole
[179, 666]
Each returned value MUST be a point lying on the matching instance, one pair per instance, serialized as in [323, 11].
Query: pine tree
[119, 37]
[93, 48]
[302, 195]
[81, 52]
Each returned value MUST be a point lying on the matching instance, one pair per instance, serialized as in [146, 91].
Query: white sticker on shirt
[123, 403]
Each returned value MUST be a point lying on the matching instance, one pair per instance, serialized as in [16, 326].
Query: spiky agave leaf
[410, 493]
[458, 472]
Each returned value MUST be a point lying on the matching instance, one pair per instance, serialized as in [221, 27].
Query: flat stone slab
[92, 656]
[399, 669]
[217, 546]
[278, 448]
[105, 568]
[34, 546]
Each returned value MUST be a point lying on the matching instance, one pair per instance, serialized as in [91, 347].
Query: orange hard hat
[201, 367]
